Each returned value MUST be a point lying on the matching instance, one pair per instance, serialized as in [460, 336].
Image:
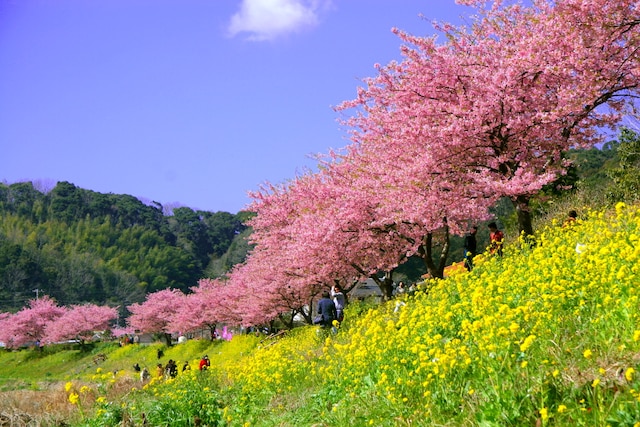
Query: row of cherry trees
[167, 312]
[436, 139]
[44, 322]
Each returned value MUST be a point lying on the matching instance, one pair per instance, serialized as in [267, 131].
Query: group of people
[128, 339]
[170, 370]
[331, 307]
[402, 289]
[470, 246]
[496, 239]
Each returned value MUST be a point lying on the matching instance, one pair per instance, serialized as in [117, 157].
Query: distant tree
[28, 325]
[155, 314]
[626, 177]
[79, 322]
[22, 198]
[77, 279]
[204, 308]
[191, 233]
[13, 277]
[236, 254]
[67, 202]
[591, 164]
[222, 228]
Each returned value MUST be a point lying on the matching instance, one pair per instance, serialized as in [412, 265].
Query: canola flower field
[547, 335]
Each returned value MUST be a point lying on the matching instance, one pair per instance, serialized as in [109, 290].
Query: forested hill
[78, 246]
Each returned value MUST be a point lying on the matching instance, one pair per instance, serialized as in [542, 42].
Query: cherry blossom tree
[204, 308]
[28, 325]
[154, 315]
[79, 322]
[265, 288]
[495, 105]
[402, 208]
[119, 331]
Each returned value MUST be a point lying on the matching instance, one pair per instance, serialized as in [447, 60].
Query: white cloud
[270, 19]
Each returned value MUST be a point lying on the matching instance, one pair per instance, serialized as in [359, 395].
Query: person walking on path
[470, 247]
[326, 308]
[340, 301]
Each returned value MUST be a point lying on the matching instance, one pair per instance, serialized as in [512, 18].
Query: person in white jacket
[339, 300]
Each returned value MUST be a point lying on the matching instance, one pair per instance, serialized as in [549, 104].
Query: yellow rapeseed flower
[561, 409]
[544, 413]
[527, 342]
[74, 398]
[587, 354]
[629, 374]
[68, 386]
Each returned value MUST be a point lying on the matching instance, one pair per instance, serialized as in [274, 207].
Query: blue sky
[187, 102]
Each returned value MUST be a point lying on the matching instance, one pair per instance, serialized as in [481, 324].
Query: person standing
[496, 239]
[327, 308]
[171, 369]
[339, 300]
[470, 247]
[144, 375]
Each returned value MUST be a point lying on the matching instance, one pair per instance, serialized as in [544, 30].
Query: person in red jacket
[205, 363]
[496, 237]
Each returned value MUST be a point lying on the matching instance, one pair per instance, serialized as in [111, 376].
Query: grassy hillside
[545, 336]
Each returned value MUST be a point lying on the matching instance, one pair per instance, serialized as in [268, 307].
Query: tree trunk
[167, 338]
[385, 285]
[425, 251]
[308, 314]
[288, 323]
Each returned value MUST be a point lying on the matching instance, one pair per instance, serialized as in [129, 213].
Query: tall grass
[547, 335]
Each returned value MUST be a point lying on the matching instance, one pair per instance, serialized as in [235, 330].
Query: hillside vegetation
[80, 246]
[546, 335]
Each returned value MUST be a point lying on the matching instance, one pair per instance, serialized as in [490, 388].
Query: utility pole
[37, 291]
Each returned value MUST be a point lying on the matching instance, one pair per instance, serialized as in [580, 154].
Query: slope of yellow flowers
[547, 334]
